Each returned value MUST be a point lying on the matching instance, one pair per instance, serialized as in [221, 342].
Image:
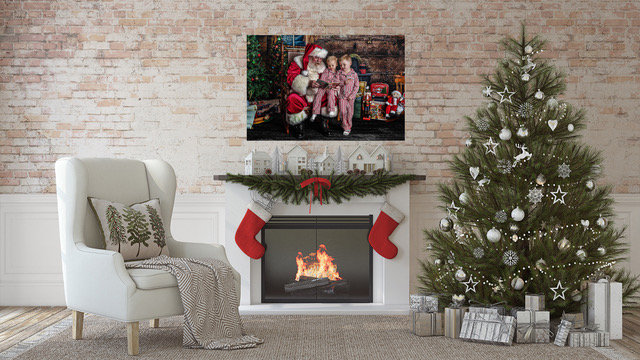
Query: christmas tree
[526, 212]
[259, 79]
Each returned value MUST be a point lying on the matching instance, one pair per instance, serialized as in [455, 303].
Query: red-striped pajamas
[347, 97]
[330, 77]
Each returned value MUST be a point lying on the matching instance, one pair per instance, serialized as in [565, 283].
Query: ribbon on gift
[318, 184]
[529, 328]
[573, 318]
[424, 302]
[497, 306]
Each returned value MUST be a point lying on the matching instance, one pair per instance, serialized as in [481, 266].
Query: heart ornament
[475, 171]
[552, 124]
[584, 223]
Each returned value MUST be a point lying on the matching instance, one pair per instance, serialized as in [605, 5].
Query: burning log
[305, 284]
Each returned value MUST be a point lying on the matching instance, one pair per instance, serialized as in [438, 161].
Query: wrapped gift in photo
[588, 338]
[534, 302]
[563, 332]
[423, 302]
[488, 327]
[426, 324]
[532, 326]
[604, 306]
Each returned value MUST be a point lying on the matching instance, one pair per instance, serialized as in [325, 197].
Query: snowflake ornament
[487, 91]
[504, 166]
[482, 124]
[478, 253]
[501, 216]
[525, 109]
[564, 170]
[535, 195]
[510, 258]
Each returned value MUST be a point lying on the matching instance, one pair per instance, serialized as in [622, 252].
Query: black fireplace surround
[289, 240]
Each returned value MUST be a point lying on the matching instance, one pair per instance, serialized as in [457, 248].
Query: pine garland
[343, 187]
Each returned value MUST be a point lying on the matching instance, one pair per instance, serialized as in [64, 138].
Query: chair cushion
[149, 279]
[135, 231]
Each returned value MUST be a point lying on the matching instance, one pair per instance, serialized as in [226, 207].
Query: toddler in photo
[349, 89]
[331, 77]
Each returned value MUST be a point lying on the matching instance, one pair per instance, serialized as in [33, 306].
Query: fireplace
[317, 259]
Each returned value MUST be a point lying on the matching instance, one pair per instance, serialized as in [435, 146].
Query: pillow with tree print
[135, 231]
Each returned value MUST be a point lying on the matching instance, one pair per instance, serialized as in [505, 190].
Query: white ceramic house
[325, 163]
[297, 159]
[381, 158]
[377, 159]
[256, 163]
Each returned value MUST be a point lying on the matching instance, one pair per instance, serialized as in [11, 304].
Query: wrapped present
[534, 302]
[586, 337]
[488, 327]
[604, 306]
[563, 332]
[479, 307]
[453, 321]
[577, 319]
[426, 324]
[423, 302]
[532, 326]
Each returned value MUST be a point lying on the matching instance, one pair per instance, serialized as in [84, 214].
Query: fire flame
[317, 265]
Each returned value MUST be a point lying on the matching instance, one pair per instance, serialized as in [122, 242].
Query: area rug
[288, 337]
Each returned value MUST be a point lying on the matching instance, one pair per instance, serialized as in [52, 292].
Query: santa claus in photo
[395, 104]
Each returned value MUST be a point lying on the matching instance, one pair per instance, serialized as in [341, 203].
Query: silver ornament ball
[517, 214]
[522, 133]
[541, 265]
[602, 251]
[505, 134]
[552, 103]
[460, 275]
[581, 254]
[602, 222]
[464, 198]
[528, 49]
[564, 244]
[491, 105]
[539, 95]
[590, 185]
[576, 295]
[570, 127]
[541, 179]
[517, 283]
[493, 235]
[446, 224]
[525, 77]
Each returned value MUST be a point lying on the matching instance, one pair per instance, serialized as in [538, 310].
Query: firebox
[317, 259]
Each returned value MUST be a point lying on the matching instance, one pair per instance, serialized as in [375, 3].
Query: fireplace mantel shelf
[224, 177]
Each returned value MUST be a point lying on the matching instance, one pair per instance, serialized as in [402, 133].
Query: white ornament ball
[517, 283]
[539, 95]
[601, 222]
[590, 185]
[517, 214]
[552, 103]
[602, 251]
[526, 77]
[564, 244]
[522, 132]
[541, 265]
[446, 224]
[464, 198]
[570, 127]
[540, 179]
[528, 49]
[581, 254]
[493, 235]
[576, 295]
[505, 134]
[460, 275]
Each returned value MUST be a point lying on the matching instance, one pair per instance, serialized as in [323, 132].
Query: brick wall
[165, 78]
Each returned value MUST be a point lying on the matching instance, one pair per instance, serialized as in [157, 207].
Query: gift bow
[533, 325]
[318, 184]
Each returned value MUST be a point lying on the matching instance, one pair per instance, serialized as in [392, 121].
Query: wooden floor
[19, 323]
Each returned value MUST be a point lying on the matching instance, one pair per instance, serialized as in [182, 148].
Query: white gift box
[534, 302]
[488, 327]
[604, 307]
[532, 326]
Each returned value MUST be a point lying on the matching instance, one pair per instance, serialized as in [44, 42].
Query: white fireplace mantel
[390, 277]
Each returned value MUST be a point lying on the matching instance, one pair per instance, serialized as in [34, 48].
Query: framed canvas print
[325, 87]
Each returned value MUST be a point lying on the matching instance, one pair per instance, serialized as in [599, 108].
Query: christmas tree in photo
[526, 212]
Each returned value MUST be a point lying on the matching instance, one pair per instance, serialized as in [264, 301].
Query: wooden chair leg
[133, 336]
[154, 323]
[76, 328]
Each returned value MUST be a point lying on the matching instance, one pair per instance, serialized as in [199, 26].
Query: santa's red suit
[299, 75]
[395, 103]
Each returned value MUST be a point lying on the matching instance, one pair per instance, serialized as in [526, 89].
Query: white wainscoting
[30, 271]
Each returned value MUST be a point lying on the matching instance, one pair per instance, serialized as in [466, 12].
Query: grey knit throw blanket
[210, 301]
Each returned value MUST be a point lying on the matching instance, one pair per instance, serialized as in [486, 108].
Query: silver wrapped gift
[532, 326]
[479, 307]
[488, 327]
[427, 324]
[586, 337]
[563, 332]
[423, 302]
[534, 302]
[577, 319]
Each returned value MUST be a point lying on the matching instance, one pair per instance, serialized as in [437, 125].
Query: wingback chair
[96, 280]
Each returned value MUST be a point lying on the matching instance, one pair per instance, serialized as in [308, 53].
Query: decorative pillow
[135, 231]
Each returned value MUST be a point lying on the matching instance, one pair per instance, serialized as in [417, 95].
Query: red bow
[324, 183]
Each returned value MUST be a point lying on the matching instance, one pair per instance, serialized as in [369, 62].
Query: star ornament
[490, 146]
[505, 95]
[453, 210]
[558, 195]
[557, 293]
[470, 284]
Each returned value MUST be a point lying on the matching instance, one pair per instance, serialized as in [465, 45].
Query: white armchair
[96, 280]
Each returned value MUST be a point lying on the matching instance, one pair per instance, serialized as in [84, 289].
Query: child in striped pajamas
[348, 90]
[331, 76]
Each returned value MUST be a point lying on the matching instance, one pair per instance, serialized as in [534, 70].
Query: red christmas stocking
[253, 221]
[385, 224]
